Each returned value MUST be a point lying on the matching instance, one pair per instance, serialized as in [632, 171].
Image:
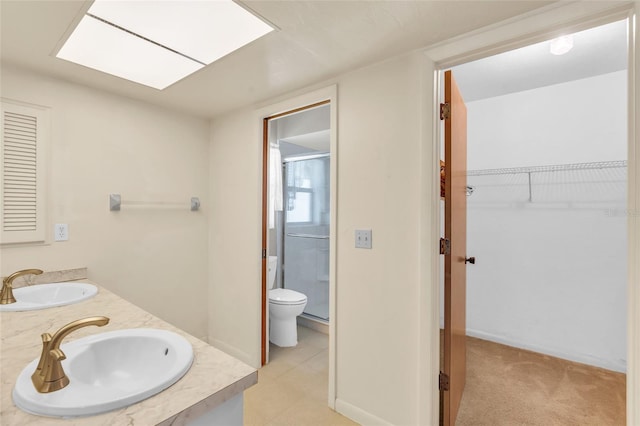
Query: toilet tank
[272, 266]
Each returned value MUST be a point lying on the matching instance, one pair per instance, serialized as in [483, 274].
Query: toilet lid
[284, 296]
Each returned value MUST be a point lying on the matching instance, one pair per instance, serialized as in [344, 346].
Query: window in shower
[299, 207]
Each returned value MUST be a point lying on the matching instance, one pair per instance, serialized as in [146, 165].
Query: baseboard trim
[358, 415]
[580, 358]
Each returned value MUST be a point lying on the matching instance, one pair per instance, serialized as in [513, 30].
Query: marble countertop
[213, 378]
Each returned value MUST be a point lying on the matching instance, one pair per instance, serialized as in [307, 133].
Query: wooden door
[455, 124]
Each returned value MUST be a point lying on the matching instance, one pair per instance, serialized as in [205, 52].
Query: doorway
[297, 206]
[550, 289]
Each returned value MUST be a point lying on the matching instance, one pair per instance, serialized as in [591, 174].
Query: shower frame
[291, 159]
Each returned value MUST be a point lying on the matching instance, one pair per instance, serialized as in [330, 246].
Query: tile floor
[292, 388]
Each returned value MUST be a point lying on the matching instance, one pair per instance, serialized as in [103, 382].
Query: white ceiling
[596, 51]
[316, 41]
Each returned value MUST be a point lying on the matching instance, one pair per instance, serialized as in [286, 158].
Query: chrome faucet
[6, 294]
[49, 375]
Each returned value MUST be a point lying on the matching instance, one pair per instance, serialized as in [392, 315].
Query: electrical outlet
[61, 232]
[363, 238]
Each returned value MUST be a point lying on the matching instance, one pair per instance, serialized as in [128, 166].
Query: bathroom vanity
[209, 393]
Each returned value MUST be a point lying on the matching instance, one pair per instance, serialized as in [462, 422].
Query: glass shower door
[306, 231]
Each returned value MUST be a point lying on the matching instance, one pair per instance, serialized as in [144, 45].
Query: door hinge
[264, 253]
[445, 246]
[445, 111]
[444, 382]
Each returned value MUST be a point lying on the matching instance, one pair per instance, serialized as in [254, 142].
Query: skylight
[157, 43]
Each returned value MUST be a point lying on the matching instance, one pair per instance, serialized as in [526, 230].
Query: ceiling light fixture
[561, 45]
[157, 43]
[105, 48]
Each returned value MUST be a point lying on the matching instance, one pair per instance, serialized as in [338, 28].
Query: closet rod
[551, 168]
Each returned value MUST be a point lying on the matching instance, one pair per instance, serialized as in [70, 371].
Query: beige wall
[384, 122]
[101, 143]
[379, 188]
[235, 235]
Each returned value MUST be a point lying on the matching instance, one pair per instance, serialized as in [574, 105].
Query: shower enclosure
[306, 230]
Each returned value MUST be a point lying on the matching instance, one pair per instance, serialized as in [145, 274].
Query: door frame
[264, 344]
[327, 95]
[534, 27]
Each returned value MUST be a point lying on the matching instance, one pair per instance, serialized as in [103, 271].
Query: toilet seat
[285, 296]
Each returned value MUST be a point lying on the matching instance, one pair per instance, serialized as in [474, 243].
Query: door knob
[471, 260]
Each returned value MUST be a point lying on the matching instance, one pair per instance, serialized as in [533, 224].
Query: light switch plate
[363, 238]
[61, 232]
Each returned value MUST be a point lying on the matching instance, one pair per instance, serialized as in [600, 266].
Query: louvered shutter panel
[22, 187]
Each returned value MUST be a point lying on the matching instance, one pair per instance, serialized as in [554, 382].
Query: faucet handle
[52, 376]
[46, 338]
[55, 377]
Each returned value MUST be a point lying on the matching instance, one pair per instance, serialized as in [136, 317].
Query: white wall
[102, 143]
[550, 277]
[579, 121]
[381, 114]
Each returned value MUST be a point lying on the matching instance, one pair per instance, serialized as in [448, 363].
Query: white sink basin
[43, 296]
[108, 371]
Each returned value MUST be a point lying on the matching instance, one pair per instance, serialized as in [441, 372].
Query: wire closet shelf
[591, 183]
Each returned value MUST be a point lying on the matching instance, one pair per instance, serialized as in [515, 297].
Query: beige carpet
[509, 386]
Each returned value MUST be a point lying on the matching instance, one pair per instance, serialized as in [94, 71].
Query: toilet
[284, 306]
